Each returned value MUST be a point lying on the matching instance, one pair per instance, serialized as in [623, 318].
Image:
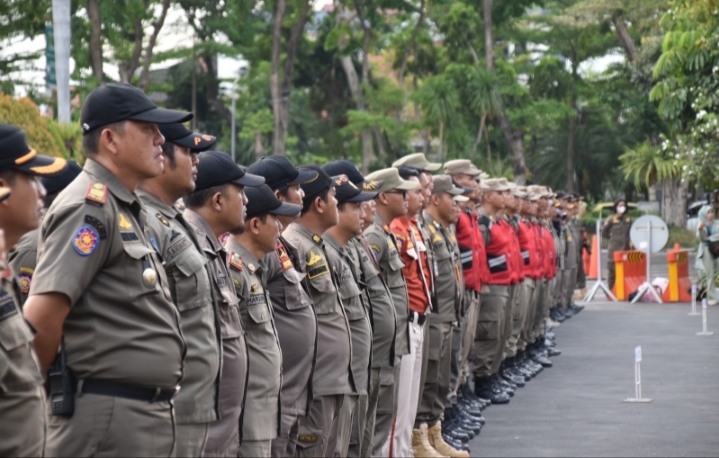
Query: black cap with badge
[115, 102]
[216, 168]
[16, 154]
[59, 181]
[346, 191]
[262, 200]
[319, 184]
[180, 135]
[342, 167]
[279, 171]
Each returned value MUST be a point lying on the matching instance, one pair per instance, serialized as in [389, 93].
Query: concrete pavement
[576, 408]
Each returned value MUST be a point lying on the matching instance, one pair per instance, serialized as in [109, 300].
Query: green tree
[439, 100]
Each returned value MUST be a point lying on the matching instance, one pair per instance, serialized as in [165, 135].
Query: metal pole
[232, 139]
[599, 283]
[705, 331]
[694, 300]
[61, 30]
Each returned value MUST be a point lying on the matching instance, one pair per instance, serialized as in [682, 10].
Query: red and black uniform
[472, 251]
[500, 262]
[531, 255]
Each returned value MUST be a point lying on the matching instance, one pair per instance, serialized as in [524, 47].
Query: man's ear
[319, 204]
[254, 225]
[217, 201]
[108, 140]
[382, 198]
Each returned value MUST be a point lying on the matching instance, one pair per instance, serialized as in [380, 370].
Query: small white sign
[643, 245]
[638, 354]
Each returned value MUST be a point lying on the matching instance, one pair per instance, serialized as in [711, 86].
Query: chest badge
[124, 223]
[149, 277]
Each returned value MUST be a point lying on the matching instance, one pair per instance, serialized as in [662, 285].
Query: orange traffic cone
[594, 260]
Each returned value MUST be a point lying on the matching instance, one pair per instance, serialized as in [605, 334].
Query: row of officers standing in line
[172, 303]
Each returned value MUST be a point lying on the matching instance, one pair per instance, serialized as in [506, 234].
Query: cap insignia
[341, 179]
[96, 192]
[371, 186]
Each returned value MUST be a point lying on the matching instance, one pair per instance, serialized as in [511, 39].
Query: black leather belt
[124, 390]
[421, 317]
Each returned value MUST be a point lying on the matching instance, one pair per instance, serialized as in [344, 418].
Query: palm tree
[439, 101]
[485, 101]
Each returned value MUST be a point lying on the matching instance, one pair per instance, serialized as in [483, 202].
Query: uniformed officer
[294, 315]
[190, 281]
[494, 294]
[475, 273]
[391, 204]
[332, 380]
[354, 300]
[440, 215]
[23, 259]
[616, 229]
[574, 260]
[22, 399]
[417, 273]
[382, 318]
[216, 206]
[245, 247]
[100, 288]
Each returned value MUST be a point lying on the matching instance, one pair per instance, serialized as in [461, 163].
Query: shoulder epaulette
[96, 193]
[236, 262]
[485, 220]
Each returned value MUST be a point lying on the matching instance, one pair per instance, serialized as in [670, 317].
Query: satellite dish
[641, 238]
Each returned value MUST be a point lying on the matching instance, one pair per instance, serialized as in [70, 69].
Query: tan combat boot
[443, 448]
[420, 443]
[581, 294]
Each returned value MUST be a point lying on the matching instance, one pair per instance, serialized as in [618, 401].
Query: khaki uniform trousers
[436, 383]
[319, 430]
[381, 409]
[541, 301]
[112, 426]
[360, 419]
[350, 405]
[254, 449]
[490, 325]
[510, 310]
[191, 439]
[518, 319]
[285, 444]
[23, 423]
[530, 287]
[472, 302]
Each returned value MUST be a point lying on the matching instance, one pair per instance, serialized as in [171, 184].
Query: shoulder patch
[25, 281]
[86, 240]
[97, 224]
[374, 248]
[236, 262]
[162, 219]
[97, 193]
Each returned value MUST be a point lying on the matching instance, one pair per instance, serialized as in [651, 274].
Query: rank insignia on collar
[251, 268]
[317, 239]
[431, 229]
[96, 192]
[236, 262]
[386, 227]
[162, 219]
[123, 223]
[284, 259]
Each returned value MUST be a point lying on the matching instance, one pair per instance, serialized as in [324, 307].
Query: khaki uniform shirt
[570, 237]
[21, 397]
[384, 247]
[382, 314]
[188, 272]
[296, 326]
[263, 386]
[353, 301]
[560, 244]
[616, 229]
[231, 329]
[23, 260]
[333, 374]
[449, 290]
[123, 326]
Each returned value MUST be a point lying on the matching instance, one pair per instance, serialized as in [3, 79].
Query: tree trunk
[441, 142]
[570, 147]
[259, 146]
[625, 40]
[127, 68]
[212, 89]
[380, 142]
[479, 137]
[278, 137]
[93, 12]
[156, 27]
[514, 138]
[368, 156]
[674, 202]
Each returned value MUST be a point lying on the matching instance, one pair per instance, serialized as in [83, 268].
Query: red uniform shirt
[471, 249]
[499, 250]
[408, 238]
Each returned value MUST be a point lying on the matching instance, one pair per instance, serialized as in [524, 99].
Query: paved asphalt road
[576, 408]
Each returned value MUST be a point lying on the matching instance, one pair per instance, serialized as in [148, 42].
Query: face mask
[621, 209]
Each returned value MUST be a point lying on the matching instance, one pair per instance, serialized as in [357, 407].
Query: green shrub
[25, 114]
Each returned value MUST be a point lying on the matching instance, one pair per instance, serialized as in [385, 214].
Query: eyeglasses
[402, 193]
